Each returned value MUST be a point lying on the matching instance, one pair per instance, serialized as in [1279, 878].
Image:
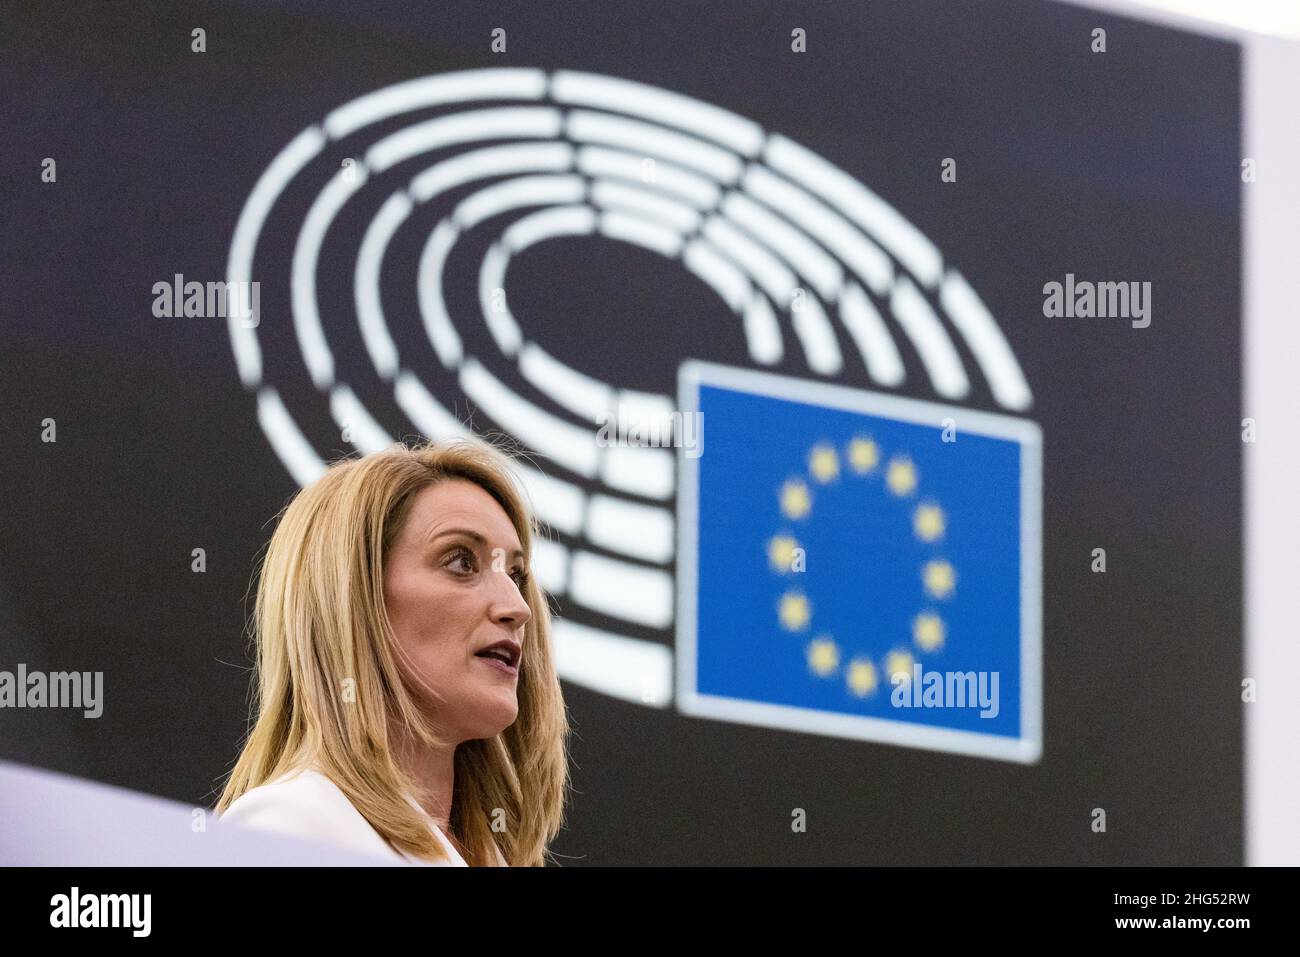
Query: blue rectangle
[832, 537]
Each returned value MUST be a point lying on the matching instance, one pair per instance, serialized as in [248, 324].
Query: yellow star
[780, 552]
[864, 455]
[823, 657]
[794, 611]
[928, 630]
[796, 501]
[861, 677]
[899, 662]
[901, 477]
[823, 463]
[940, 578]
[929, 522]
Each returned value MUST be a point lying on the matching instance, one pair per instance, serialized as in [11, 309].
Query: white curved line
[502, 83]
[980, 330]
[433, 309]
[932, 343]
[674, 109]
[548, 224]
[649, 472]
[601, 162]
[491, 161]
[306, 253]
[871, 335]
[881, 221]
[350, 415]
[833, 231]
[614, 665]
[426, 412]
[550, 563]
[762, 331]
[290, 445]
[617, 196]
[470, 126]
[302, 149]
[792, 244]
[763, 268]
[645, 139]
[491, 281]
[817, 337]
[570, 446]
[704, 260]
[519, 193]
[370, 259]
[643, 596]
[642, 531]
[579, 393]
[642, 232]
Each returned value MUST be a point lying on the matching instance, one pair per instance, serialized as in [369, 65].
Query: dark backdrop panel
[1122, 166]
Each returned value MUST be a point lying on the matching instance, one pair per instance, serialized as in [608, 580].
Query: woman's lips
[500, 665]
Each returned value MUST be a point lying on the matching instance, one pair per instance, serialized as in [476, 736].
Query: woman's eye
[462, 555]
[520, 578]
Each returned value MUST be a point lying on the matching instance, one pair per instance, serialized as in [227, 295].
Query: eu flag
[860, 565]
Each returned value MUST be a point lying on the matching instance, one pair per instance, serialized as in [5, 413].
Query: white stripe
[627, 96]
[518, 193]
[579, 393]
[471, 126]
[506, 83]
[884, 223]
[644, 139]
[433, 309]
[570, 446]
[547, 224]
[932, 343]
[679, 216]
[704, 260]
[488, 162]
[980, 330]
[641, 531]
[367, 434]
[626, 668]
[597, 161]
[833, 231]
[869, 332]
[306, 252]
[643, 596]
[817, 337]
[807, 258]
[641, 232]
[496, 310]
[762, 267]
[370, 258]
[292, 447]
[762, 331]
[642, 471]
[302, 149]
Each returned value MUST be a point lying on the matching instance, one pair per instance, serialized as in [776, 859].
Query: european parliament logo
[860, 565]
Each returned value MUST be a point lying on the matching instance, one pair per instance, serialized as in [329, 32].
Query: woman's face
[454, 585]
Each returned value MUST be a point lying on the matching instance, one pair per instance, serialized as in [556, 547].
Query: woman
[408, 703]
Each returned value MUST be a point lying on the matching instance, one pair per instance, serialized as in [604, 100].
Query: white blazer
[307, 804]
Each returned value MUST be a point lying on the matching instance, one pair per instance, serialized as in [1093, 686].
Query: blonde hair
[322, 629]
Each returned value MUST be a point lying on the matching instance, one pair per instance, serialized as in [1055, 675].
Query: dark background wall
[1122, 166]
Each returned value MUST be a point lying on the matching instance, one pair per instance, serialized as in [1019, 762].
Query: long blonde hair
[328, 676]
